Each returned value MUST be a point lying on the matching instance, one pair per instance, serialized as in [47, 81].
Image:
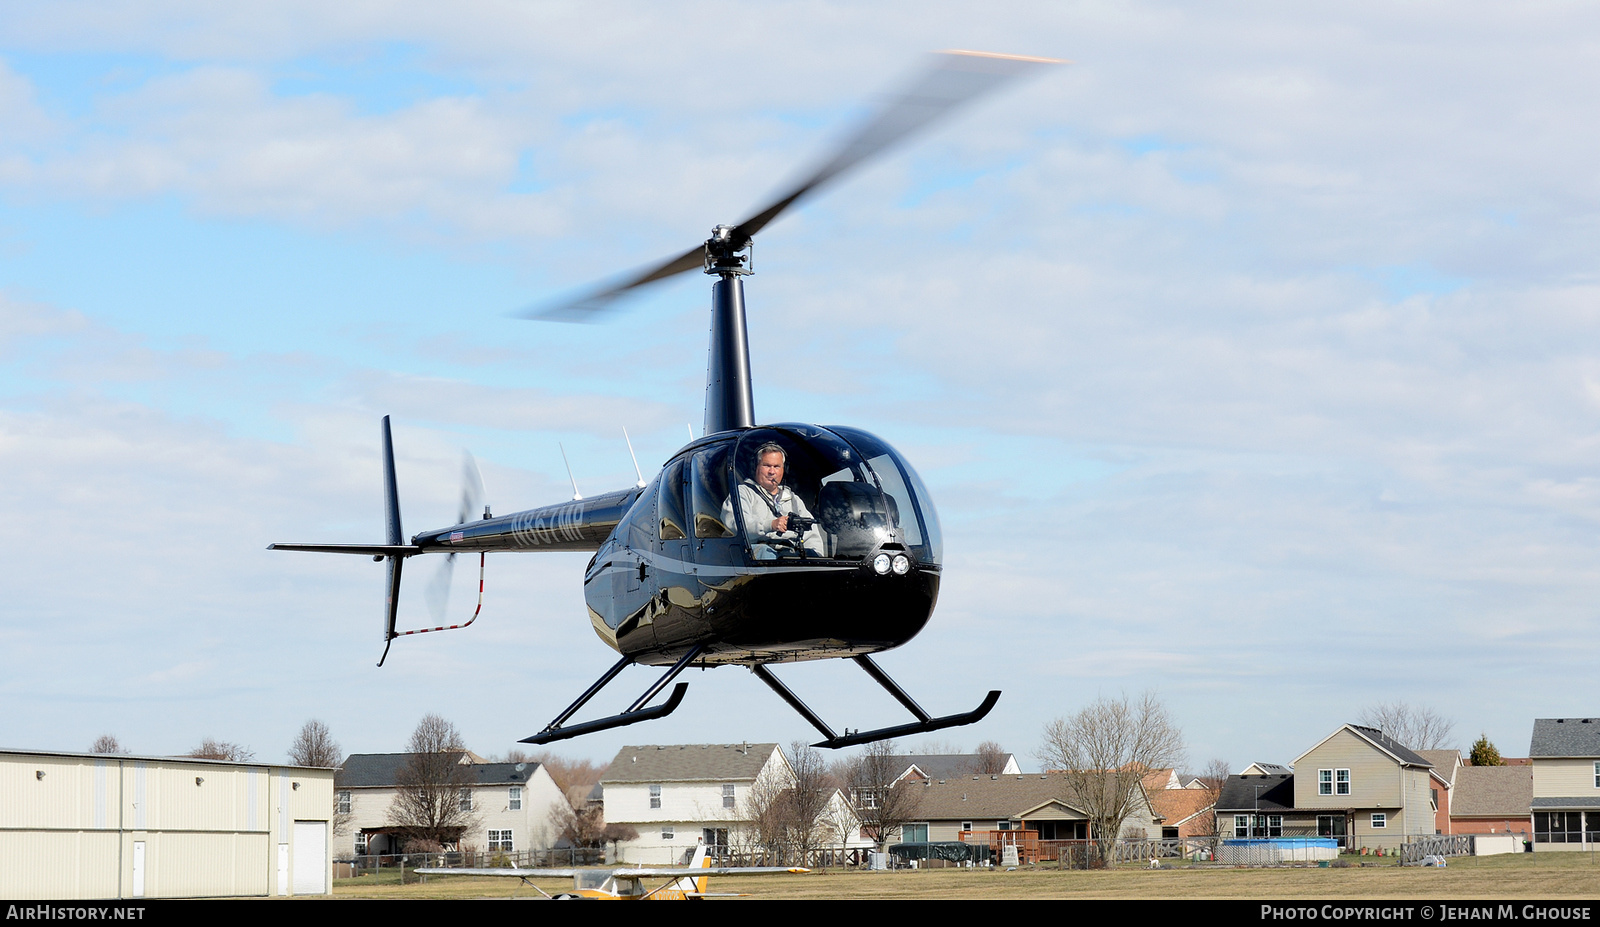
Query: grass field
[1534, 876]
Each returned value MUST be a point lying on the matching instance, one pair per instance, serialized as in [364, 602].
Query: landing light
[880, 564]
[902, 563]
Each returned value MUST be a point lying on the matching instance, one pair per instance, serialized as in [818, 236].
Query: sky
[1250, 358]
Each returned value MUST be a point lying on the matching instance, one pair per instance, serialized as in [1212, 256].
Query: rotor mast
[730, 397]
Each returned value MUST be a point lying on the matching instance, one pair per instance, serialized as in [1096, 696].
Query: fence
[1456, 845]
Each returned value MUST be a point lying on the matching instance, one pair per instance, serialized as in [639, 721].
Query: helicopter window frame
[710, 472]
[670, 510]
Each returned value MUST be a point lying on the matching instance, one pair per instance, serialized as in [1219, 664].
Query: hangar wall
[80, 826]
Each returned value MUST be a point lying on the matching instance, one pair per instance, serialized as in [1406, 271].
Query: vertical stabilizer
[394, 535]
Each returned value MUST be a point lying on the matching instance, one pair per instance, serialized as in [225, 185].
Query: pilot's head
[770, 460]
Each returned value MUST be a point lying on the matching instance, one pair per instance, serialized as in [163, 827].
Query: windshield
[802, 492]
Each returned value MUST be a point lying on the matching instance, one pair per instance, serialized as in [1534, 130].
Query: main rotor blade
[588, 308]
[952, 80]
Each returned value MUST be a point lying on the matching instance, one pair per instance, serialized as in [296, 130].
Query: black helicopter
[754, 545]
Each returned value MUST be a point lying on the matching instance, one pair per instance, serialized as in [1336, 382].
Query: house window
[1341, 782]
[466, 799]
[516, 799]
[716, 840]
[966, 825]
[500, 840]
[1257, 825]
[1597, 774]
[1330, 825]
[668, 832]
[1379, 820]
[341, 800]
[727, 796]
[1324, 782]
[361, 844]
[914, 833]
[655, 796]
[1002, 825]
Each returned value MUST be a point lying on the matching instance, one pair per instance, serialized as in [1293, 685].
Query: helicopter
[755, 544]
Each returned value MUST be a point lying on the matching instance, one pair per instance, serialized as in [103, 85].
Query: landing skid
[633, 715]
[922, 725]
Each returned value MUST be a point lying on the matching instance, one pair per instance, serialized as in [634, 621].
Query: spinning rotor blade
[953, 79]
[471, 498]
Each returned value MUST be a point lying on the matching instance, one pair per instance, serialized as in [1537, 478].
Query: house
[1566, 783]
[1446, 765]
[509, 805]
[1185, 812]
[1364, 784]
[923, 766]
[82, 826]
[1255, 806]
[1357, 785]
[1026, 810]
[678, 795]
[1491, 800]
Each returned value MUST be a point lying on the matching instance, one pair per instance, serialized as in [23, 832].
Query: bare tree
[1212, 779]
[991, 759]
[786, 814]
[1105, 750]
[315, 746]
[1412, 726]
[212, 749]
[107, 743]
[433, 803]
[881, 804]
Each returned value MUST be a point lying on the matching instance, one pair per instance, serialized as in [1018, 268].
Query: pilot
[767, 505]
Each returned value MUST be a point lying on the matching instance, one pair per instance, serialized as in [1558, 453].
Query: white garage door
[310, 857]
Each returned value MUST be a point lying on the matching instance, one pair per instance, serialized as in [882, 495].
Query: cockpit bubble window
[670, 503]
[836, 501]
[902, 484]
[708, 488]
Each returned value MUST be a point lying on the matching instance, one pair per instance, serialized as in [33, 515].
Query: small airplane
[753, 545]
[683, 882]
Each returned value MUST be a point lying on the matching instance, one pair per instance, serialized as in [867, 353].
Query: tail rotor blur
[438, 593]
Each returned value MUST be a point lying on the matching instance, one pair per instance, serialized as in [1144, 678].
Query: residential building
[1566, 783]
[1492, 800]
[1362, 783]
[1184, 812]
[508, 806]
[86, 826]
[1446, 765]
[678, 795]
[1256, 806]
[922, 766]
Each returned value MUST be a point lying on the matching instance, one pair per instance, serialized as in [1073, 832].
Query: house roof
[1174, 806]
[1269, 769]
[1274, 794]
[382, 770]
[1158, 779]
[1554, 737]
[948, 765]
[1401, 754]
[688, 762]
[1492, 791]
[1445, 764]
[990, 798]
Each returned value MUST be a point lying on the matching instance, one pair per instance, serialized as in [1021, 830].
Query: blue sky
[1250, 358]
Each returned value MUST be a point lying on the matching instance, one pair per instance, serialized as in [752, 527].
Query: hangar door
[311, 857]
